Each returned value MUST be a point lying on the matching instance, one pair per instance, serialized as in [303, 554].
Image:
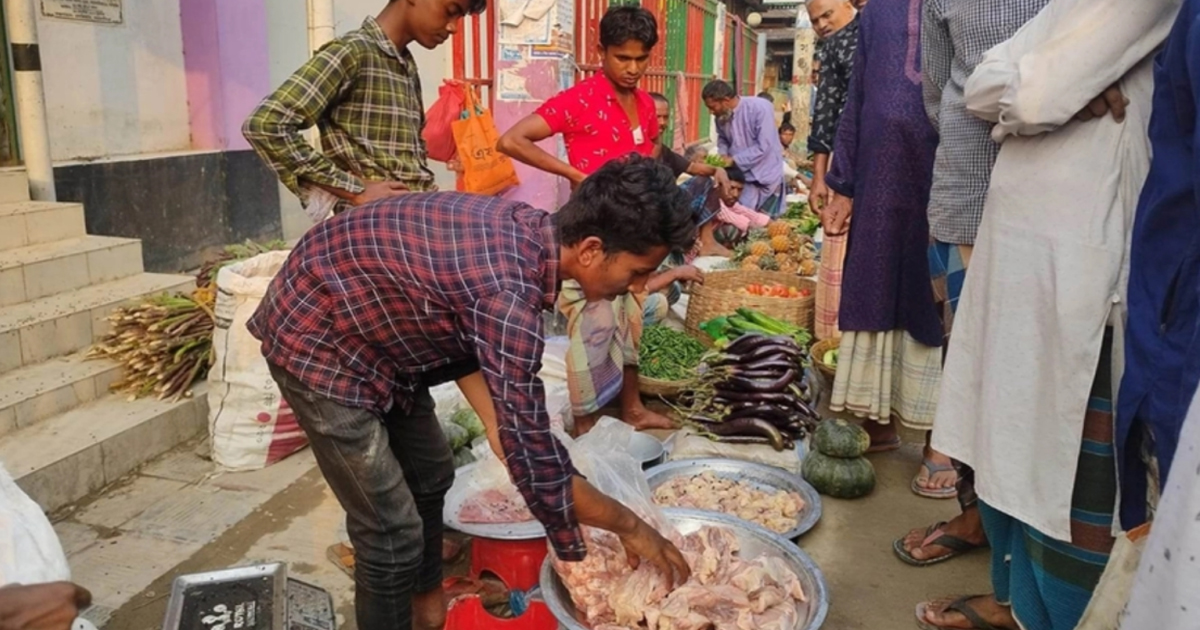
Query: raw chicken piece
[776, 510]
[725, 592]
[495, 506]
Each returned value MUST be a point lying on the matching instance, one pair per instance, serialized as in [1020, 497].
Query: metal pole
[30, 97]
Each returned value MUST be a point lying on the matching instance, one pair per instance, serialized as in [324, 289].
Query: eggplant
[777, 385]
[779, 398]
[741, 439]
[749, 426]
[746, 343]
[770, 413]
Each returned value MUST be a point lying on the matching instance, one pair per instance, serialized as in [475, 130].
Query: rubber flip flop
[940, 493]
[957, 546]
[342, 557]
[959, 606]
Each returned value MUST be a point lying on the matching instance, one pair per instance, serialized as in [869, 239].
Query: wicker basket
[818, 353]
[719, 296]
[667, 389]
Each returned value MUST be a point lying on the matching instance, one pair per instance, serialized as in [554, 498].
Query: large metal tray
[460, 492]
[754, 541]
[759, 475]
[254, 598]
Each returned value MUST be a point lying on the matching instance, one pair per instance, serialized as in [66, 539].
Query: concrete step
[59, 325]
[14, 185]
[62, 459]
[33, 222]
[37, 271]
[31, 394]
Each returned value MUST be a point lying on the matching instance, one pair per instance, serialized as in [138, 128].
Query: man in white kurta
[1048, 269]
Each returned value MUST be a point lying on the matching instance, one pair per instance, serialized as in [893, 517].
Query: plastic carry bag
[30, 552]
[486, 171]
[250, 423]
[439, 120]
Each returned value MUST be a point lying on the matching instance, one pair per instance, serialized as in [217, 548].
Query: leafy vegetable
[469, 420]
[668, 354]
[456, 435]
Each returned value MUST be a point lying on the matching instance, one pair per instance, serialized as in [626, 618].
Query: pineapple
[768, 263]
[779, 228]
[751, 261]
[789, 265]
[781, 243]
[740, 251]
[758, 234]
[808, 268]
[761, 248]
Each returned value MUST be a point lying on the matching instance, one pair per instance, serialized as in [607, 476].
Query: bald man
[836, 24]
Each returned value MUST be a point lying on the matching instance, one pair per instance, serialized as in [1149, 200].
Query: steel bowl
[753, 541]
[647, 450]
[759, 475]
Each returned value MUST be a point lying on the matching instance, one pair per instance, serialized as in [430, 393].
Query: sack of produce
[837, 466]
[249, 422]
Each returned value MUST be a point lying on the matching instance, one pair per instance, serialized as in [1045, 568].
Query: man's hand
[52, 606]
[374, 191]
[644, 542]
[689, 273]
[836, 217]
[727, 160]
[1109, 101]
[722, 179]
[819, 195]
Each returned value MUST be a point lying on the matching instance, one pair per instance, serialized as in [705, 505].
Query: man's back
[954, 37]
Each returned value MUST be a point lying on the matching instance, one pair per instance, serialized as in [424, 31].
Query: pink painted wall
[226, 57]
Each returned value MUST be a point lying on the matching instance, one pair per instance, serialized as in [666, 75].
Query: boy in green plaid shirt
[363, 92]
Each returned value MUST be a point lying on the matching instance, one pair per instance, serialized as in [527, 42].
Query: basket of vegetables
[755, 390]
[667, 361]
[825, 356]
[724, 292]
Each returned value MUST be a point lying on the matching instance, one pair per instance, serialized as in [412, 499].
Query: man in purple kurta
[882, 169]
[747, 138]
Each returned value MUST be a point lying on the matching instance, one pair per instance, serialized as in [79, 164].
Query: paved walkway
[177, 516]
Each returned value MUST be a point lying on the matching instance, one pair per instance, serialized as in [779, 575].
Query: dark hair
[735, 174]
[718, 90]
[475, 7]
[659, 97]
[767, 95]
[623, 23]
[631, 204]
[786, 127]
[691, 152]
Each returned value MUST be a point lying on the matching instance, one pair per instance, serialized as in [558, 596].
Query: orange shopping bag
[486, 171]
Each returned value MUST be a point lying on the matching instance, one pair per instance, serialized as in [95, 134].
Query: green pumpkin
[839, 477]
[837, 438]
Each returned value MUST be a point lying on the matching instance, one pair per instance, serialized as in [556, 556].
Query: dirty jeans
[391, 475]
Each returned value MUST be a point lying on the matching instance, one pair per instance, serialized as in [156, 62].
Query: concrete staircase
[62, 435]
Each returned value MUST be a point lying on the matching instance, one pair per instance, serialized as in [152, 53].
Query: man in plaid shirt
[363, 92]
[371, 302]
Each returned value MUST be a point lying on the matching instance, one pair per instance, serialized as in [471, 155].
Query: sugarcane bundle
[231, 254]
[164, 344]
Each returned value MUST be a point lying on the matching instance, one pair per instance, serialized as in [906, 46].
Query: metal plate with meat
[475, 507]
[744, 576]
[765, 478]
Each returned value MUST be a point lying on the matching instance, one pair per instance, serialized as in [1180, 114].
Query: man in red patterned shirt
[602, 118]
[373, 302]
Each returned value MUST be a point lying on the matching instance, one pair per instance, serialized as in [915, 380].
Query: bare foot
[642, 418]
[986, 606]
[429, 610]
[883, 436]
[967, 526]
[944, 476]
[583, 424]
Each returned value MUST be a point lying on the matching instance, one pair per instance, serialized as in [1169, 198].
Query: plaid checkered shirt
[365, 96]
[371, 299]
[954, 36]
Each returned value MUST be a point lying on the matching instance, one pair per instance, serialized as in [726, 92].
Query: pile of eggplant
[756, 390]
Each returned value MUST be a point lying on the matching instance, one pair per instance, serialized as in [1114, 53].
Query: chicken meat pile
[776, 510]
[495, 506]
[725, 592]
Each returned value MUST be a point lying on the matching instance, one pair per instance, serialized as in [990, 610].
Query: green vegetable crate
[719, 296]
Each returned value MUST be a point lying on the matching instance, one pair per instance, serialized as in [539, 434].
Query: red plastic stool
[516, 562]
[468, 613]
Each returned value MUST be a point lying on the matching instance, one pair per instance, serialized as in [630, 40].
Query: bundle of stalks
[164, 344]
[231, 254]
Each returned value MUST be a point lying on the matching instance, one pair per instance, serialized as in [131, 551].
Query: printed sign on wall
[99, 11]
